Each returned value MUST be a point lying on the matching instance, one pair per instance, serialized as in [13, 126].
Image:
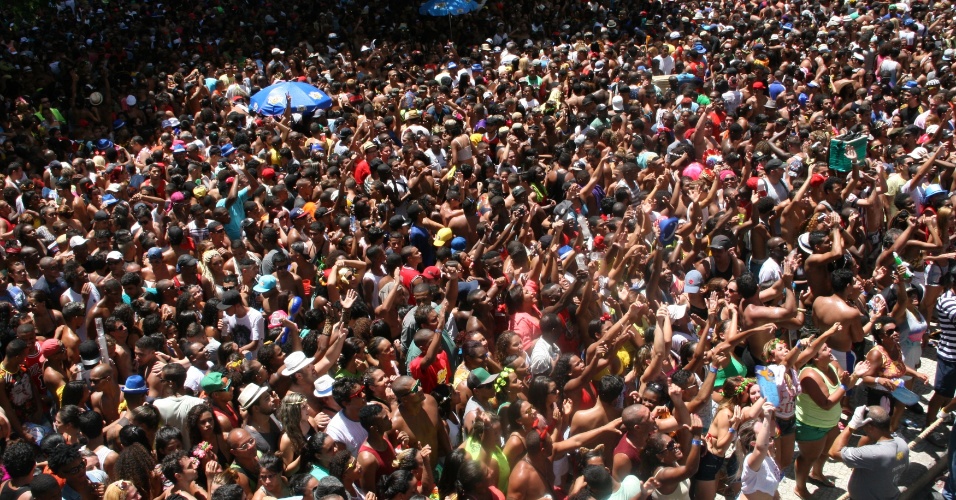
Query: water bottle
[583, 225]
[897, 262]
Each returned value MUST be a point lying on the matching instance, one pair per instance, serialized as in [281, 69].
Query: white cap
[114, 255]
[78, 241]
[617, 103]
[114, 188]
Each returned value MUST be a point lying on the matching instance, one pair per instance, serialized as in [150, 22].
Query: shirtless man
[148, 364]
[826, 249]
[609, 389]
[112, 297]
[417, 416]
[755, 314]
[73, 315]
[156, 269]
[105, 393]
[245, 462]
[836, 308]
[466, 224]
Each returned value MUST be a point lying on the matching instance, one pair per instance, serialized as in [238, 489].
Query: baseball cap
[773, 164]
[444, 235]
[50, 347]
[668, 229]
[154, 253]
[267, 283]
[432, 273]
[114, 255]
[229, 299]
[933, 190]
[458, 245]
[721, 242]
[186, 260]
[78, 241]
[479, 377]
[692, 281]
[213, 382]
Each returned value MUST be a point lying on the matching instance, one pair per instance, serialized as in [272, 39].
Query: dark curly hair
[134, 464]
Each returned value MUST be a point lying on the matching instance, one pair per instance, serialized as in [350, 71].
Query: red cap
[752, 183]
[816, 180]
[759, 85]
[431, 273]
[268, 173]
[686, 100]
[49, 347]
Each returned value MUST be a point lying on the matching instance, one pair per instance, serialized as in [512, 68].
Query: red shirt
[362, 170]
[408, 274]
[436, 374]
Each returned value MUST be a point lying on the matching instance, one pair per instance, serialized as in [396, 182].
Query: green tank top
[809, 413]
[733, 369]
[504, 469]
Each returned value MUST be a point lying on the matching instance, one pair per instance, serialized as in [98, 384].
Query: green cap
[213, 382]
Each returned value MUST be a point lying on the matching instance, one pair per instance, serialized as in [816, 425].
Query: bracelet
[696, 442]
[801, 310]
[733, 431]
[842, 386]
[712, 368]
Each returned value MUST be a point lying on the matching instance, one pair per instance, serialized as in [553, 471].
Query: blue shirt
[775, 89]
[236, 214]
[419, 238]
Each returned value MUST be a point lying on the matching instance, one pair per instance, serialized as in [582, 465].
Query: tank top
[727, 274]
[765, 479]
[231, 415]
[914, 327]
[383, 458]
[891, 367]
[808, 413]
[504, 468]
[734, 369]
[682, 492]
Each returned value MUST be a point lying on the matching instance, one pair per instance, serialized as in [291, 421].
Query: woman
[524, 317]
[665, 461]
[783, 364]
[382, 354]
[521, 419]
[376, 387]
[544, 396]
[137, 465]
[509, 344]
[911, 323]
[209, 445]
[345, 467]
[46, 319]
[294, 416]
[122, 490]
[761, 475]
[509, 389]
[721, 436]
[887, 368]
[168, 440]
[271, 482]
[575, 378]
[818, 411]
[448, 483]
[474, 483]
[418, 463]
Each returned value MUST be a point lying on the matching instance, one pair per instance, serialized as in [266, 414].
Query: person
[761, 474]
[175, 404]
[880, 459]
[19, 462]
[887, 368]
[345, 427]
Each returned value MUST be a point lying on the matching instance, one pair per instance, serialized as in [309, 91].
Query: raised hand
[350, 297]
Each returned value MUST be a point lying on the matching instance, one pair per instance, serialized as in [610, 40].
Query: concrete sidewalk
[927, 461]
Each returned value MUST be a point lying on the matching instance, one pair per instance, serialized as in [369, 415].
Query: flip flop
[823, 483]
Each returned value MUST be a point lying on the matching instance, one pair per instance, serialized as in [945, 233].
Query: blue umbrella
[305, 98]
[441, 8]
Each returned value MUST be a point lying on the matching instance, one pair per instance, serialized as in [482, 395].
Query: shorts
[934, 274]
[709, 466]
[945, 383]
[845, 359]
[810, 433]
[786, 426]
[912, 352]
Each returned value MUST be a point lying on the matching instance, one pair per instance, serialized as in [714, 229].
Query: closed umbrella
[271, 100]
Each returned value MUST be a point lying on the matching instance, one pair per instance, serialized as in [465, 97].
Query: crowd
[549, 249]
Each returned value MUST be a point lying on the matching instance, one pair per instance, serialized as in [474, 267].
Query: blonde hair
[117, 490]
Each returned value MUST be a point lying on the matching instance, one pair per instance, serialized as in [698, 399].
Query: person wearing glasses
[418, 417]
[66, 462]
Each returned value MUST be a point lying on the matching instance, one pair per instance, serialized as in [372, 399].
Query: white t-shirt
[253, 319]
[347, 432]
[769, 272]
[194, 378]
[90, 302]
[666, 64]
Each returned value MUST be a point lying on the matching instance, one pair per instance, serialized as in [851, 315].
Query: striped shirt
[946, 312]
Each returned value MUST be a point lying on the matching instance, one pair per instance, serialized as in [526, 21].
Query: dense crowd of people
[554, 250]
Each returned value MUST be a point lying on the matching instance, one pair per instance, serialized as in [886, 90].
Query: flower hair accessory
[235, 365]
[502, 379]
[201, 450]
[744, 384]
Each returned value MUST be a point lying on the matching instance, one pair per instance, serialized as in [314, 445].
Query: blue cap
[109, 199]
[458, 244]
[452, 65]
[699, 48]
[668, 228]
[297, 213]
[266, 283]
[166, 123]
[227, 150]
[104, 144]
[118, 124]
[179, 148]
[154, 253]
[788, 26]
[933, 190]
[135, 385]
[476, 67]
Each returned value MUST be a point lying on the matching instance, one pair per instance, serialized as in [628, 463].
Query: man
[235, 313]
[66, 462]
[300, 371]
[236, 199]
[482, 385]
[877, 466]
[18, 396]
[150, 367]
[50, 281]
[419, 236]
[826, 249]
[218, 390]
[320, 449]
[639, 426]
[80, 291]
[260, 403]
[45, 487]
[602, 485]
[245, 459]
[104, 392]
[721, 263]
[183, 470]
[835, 308]
[545, 351]
[944, 386]
[345, 428]
[175, 404]
[609, 389]
[756, 314]
[302, 485]
[19, 462]
[417, 416]
[377, 453]
[112, 297]
[91, 426]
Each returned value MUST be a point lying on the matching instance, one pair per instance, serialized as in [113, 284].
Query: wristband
[696, 442]
[733, 431]
[842, 386]
[712, 368]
